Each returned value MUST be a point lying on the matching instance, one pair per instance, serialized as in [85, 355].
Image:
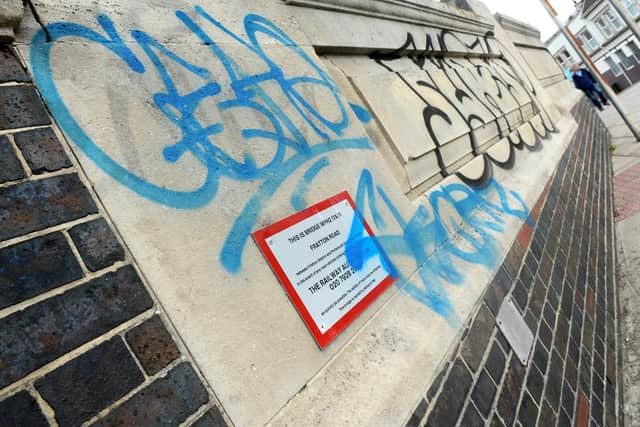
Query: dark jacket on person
[584, 81]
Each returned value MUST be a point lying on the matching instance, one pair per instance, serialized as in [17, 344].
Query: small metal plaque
[515, 330]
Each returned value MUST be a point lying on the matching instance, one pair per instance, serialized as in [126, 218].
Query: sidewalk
[626, 164]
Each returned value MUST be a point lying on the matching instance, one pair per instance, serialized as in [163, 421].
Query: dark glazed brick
[571, 374]
[10, 68]
[21, 410]
[528, 411]
[507, 403]
[497, 290]
[21, 107]
[153, 345]
[454, 393]
[545, 335]
[36, 266]
[535, 383]
[564, 420]
[213, 418]
[47, 330]
[484, 393]
[437, 382]
[514, 259]
[97, 245]
[10, 167]
[32, 206]
[568, 398]
[83, 387]
[540, 357]
[42, 150]
[167, 401]
[547, 416]
[520, 296]
[495, 363]
[414, 421]
[472, 418]
[475, 343]
[496, 422]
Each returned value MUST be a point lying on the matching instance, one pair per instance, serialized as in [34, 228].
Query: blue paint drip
[361, 113]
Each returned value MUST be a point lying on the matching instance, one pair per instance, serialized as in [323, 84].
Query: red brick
[582, 412]
[590, 301]
[524, 236]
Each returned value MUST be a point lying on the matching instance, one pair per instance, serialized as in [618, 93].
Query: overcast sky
[532, 12]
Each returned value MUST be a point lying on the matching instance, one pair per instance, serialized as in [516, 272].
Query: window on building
[588, 42]
[568, 58]
[632, 7]
[604, 26]
[624, 59]
[633, 47]
[613, 18]
[613, 65]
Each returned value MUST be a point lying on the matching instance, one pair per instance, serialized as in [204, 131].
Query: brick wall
[560, 274]
[82, 339]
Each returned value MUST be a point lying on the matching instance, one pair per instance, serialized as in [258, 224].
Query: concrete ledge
[11, 12]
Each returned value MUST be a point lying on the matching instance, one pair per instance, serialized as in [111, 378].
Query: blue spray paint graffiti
[291, 149]
[457, 212]
[426, 237]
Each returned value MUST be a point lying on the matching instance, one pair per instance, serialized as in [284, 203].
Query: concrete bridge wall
[199, 124]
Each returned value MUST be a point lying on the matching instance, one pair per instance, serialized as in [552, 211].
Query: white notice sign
[329, 262]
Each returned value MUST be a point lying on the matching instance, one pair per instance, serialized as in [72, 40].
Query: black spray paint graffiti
[479, 90]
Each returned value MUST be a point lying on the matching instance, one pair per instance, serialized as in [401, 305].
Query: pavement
[626, 164]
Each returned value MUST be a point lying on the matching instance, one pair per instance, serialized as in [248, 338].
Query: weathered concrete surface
[626, 158]
[627, 150]
[629, 282]
[11, 12]
[176, 212]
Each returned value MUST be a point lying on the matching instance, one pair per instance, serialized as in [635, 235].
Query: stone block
[484, 393]
[168, 401]
[495, 363]
[21, 107]
[43, 332]
[21, 410]
[449, 406]
[497, 290]
[472, 418]
[152, 344]
[528, 412]
[475, 344]
[42, 150]
[34, 205]
[36, 266]
[10, 167]
[97, 245]
[10, 68]
[418, 414]
[508, 400]
[91, 382]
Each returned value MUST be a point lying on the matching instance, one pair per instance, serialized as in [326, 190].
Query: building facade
[603, 34]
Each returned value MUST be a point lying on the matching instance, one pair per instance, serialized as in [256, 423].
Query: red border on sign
[261, 237]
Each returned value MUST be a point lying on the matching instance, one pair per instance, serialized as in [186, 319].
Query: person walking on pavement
[583, 80]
